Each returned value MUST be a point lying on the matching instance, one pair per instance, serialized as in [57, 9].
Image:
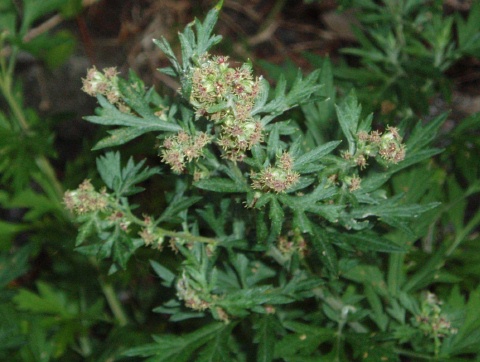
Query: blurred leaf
[166, 275]
[33, 9]
[303, 342]
[14, 265]
[53, 49]
[220, 185]
[469, 31]
[369, 241]
[48, 300]
[219, 348]
[176, 348]
[266, 327]
[277, 216]
[325, 251]
[11, 336]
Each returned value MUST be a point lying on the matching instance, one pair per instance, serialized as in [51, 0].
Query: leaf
[123, 180]
[48, 300]
[372, 348]
[300, 92]
[319, 113]
[218, 349]
[122, 248]
[14, 265]
[8, 230]
[88, 227]
[423, 135]
[111, 116]
[314, 155]
[348, 114]
[205, 39]
[122, 135]
[218, 184]
[32, 10]
[162, 43]
[324, 250]
[304, 341]
[302, 222]
[276, 216]
[370, 241]
[391, 208]
[468, 31]
[37, 204]
[134, 96]
[273, 144]
[425, 275]
[11, 336]
[177, 205]
[216, 221]
[266, 328]
[166, 275]
[468, 336]
[176, 348]
[52, 49]
[238, 302]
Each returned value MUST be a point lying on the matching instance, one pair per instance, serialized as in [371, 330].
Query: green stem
[113, 302]
[110, 296]
[413, 354]
[184, 236]
[171, 234]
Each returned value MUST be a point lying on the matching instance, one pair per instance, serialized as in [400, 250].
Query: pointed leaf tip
[219, 5]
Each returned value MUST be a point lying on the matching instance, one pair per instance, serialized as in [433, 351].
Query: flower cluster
[388, 146]
[279, 178]
[238, 137]
[391, 148]
[85, 199]
[106, 84]
[226, 96]
[293, 243]
[150, 234]
[190, 295]
[431, 320]
[182, 148]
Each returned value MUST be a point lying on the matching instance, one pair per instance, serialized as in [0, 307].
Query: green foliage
[405, 47]
[281, 221]
[272, 233]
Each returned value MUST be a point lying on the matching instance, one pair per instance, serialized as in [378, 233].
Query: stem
[171, 234]
[113, 302]
[110, 296]
[413, 354]
[186, 236]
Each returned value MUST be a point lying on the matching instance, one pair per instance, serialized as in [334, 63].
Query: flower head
[277, 179]
[182, 148]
